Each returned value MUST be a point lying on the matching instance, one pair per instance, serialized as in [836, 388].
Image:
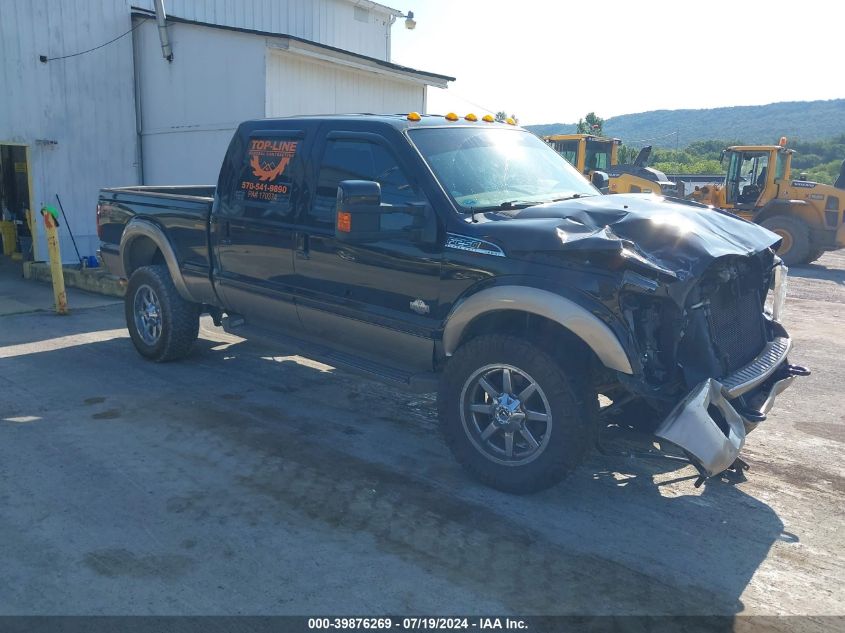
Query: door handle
[226, 236]
[303, 246]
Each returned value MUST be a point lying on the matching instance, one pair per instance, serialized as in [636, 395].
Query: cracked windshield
[484, 170]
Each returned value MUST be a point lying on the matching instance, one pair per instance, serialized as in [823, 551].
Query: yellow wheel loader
[586, 152]
[589, 153]
[759, 187]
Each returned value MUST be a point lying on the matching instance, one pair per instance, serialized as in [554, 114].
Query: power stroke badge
[472, 244]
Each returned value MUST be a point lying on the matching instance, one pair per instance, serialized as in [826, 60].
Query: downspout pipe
[161, 20]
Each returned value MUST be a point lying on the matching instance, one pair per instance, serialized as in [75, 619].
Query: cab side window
[780, 167]
[346, 159]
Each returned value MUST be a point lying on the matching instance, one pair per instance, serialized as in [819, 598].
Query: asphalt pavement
[249, 480]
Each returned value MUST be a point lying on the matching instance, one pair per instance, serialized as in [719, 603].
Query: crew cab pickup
[467, 257]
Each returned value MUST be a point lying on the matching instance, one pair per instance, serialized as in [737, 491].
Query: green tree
[627, 154]
[590, 124]
[502, 116]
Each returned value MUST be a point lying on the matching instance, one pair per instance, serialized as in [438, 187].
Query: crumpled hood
[678, 237]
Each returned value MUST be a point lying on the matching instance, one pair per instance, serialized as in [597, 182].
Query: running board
[416, 382]
[422, 382]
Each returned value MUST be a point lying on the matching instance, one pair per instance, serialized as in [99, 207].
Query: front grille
[737, 327]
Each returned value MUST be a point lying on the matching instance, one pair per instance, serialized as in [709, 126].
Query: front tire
[795, 236]
[513, 417]
[162, 325]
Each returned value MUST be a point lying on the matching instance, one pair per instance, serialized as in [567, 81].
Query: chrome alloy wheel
[147, 314]
[506, 415]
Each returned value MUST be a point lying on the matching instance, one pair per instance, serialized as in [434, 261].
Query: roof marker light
[488, 118]
[471, 117]
[414, 116]
[451, 117]
[510, 121]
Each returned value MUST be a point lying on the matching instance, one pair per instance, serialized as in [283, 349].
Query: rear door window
[266, 181]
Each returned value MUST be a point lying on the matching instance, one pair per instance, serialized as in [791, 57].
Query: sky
[554, 61]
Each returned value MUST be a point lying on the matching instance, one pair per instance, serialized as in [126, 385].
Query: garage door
[297, 86]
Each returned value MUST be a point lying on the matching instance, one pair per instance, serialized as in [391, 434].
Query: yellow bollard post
[51, 227]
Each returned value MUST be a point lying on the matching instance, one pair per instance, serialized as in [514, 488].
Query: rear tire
[795, 247]
[539, 396]
[162, 325]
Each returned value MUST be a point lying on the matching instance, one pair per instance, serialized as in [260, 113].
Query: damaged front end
[690, 287]
[734, 354]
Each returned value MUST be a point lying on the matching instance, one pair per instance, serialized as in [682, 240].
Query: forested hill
[805, 120]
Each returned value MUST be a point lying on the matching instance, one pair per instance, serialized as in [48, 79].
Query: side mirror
[359, 216]
[600, 181]
[358, 210]
[359, 195]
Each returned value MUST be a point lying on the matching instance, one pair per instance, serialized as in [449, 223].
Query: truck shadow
[709, 541]
[617, 537]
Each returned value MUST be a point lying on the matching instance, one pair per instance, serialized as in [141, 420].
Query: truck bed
[180, 212]
[178, 191]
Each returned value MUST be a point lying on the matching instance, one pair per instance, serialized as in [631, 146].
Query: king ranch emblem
[268, 160]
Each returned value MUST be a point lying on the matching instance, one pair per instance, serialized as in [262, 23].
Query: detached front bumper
[707, 427]
[711, 422]
[711, 430]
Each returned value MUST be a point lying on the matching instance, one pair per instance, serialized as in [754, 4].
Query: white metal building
[123, 114]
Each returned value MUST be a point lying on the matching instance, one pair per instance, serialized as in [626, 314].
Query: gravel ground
[249, 480]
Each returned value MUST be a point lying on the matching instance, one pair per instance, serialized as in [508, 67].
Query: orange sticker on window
[344, 221]
[268, 160]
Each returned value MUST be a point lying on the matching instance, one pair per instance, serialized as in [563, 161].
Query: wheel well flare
[512, 309]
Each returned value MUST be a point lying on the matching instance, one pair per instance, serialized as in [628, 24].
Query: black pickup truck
[466, 256]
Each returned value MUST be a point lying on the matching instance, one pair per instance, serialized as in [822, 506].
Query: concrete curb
[90, 279]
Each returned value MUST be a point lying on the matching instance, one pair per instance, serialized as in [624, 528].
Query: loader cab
[585, 152]
[600, 154]
[571, 150]
[754, 174]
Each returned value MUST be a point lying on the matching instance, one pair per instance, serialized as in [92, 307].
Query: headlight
[779, 292]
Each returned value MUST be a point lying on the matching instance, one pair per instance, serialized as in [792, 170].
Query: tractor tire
[795, 234]
[814, 255]
[512, 415]
[162, 325]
